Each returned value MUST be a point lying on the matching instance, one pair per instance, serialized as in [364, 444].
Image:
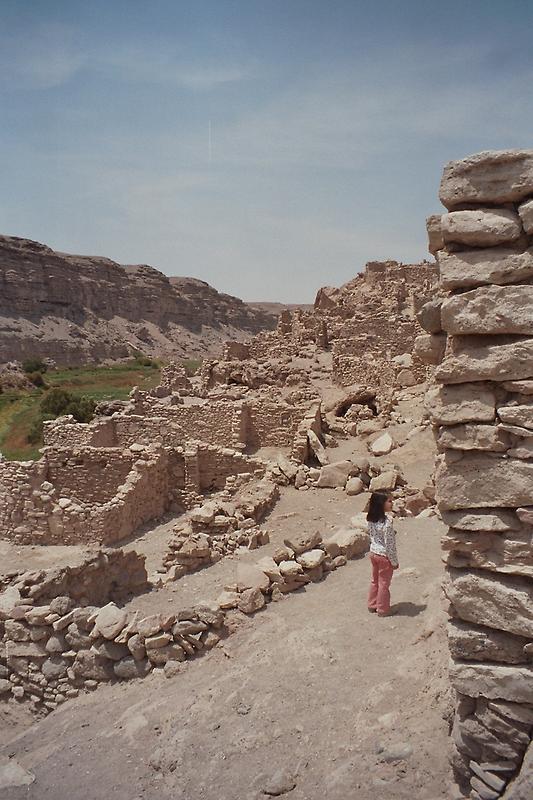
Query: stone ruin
[482, 412]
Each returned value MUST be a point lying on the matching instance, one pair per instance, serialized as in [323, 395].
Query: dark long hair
[376, 507]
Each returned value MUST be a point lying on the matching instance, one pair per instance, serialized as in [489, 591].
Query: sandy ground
[311, 698]
[312, 691]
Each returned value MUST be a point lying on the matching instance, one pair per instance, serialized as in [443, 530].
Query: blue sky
[330, 125]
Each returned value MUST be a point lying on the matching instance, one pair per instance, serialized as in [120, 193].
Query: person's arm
[390, 544]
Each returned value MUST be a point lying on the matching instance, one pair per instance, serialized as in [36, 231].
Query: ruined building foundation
[482, 410]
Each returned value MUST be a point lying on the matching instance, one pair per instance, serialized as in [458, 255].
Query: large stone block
[474, 437]
[474, 643]
[481, 227]
[493, 681]
[492, 520]
[476, 358]
[433, 227]
[450, 405]
[490, 310]
[430, 348]
[429, 316]
[507, 553]
[493, 176]
[502, 602]
[472, 268]
[521, 415]
[480, 480]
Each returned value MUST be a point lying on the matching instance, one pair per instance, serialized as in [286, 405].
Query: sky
[269, 147]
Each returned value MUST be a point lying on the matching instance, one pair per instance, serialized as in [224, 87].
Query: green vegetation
[191, 366]
[34, 365]
[67, 391]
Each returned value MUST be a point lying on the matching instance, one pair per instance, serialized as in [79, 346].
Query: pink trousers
[379, 595]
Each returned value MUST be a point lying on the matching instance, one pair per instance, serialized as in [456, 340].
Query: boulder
[470, 436]
[317, 447]
[250, 576]
[481, 227]
[450, 405]
[227, 600]
[385, 481]
[503, 602]
[492, 177]
[472, 358]
[429, 316]
[136, 647]
[269, 567]
[251, 600]
[311, 559]
[335, 475]
[434, 231]
[54, 668]
[416, 503]
[481, 480]
[302, 542]
[490, 310]
[406, 377]
[354, 486]
[382, 445]
[347, 542]
[110, 620]
[429, 348]
[290, 569]
[159, 656]
[205, 514]
[472, 268]
[496, 682]
[89, 665]
[129, 668]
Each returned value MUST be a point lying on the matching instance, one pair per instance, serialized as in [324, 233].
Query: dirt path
[312, 691]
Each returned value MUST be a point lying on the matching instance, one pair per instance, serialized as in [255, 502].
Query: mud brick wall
[482, 410]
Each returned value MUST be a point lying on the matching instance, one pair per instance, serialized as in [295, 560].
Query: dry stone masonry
[482, 411]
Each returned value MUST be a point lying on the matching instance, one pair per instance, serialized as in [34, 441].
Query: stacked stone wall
[482, 410]
[273, 423]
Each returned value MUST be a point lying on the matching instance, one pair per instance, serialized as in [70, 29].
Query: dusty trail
[313, 692]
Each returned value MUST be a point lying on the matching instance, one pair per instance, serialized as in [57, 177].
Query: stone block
[496, 682]
[481, 480]
[249, 576]
[430, 348]
[470, 642]
[434, 231]
[481, 227]
[470, 436]
[471, 268]
[450, 405]
[429, 316]
[490, 310]
[501, 602]
[495, 520]
[473, 358]
[347, 542]
[517, 415]
[335, 475]
[493, 176]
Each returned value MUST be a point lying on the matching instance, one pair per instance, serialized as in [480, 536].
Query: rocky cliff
[75, 309]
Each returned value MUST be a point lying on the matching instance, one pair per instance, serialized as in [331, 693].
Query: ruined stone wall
[482, 410]
[273, 423]
[218, 423]
[215, 464]
[50, 502]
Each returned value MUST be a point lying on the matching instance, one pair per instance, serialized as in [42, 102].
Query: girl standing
[383, 553]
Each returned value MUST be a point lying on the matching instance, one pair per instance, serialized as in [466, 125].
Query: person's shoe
[372, 610]
[390, 613]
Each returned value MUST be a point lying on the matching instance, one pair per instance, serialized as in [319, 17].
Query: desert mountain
[75, 309]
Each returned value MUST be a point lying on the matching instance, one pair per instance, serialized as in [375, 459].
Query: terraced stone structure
[482, 410]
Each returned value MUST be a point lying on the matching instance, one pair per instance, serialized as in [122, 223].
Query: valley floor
[312, 697]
